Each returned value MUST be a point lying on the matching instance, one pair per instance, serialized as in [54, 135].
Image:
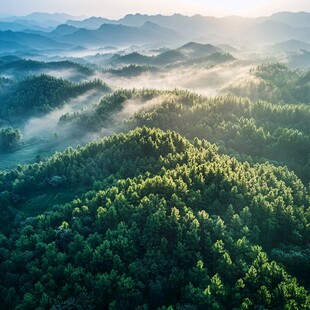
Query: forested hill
[252, 131]
[174, 226]
[279, 133]
[18, 67]
[275, 83]
[36, 95]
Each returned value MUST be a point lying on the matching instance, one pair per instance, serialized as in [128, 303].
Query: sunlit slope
[275, 83]
[175, 223]
[243, 128]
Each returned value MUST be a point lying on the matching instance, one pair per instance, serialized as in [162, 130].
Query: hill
[38, 95]
[233, 30]
[196, 50]
[252, 131]
[39, 20]
[300, 59]
[63, 30]
[117, 34]
[19, 68]
[294, 19]
[187, 54]
[174, 224]
[290, 46]
[92, 23]
[276, 83]
[33, 41]
[7, 46]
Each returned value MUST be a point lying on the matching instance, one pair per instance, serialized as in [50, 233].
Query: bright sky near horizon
[119, 8]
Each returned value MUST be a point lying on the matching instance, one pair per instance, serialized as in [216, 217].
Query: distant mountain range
[119, 34]
[28, 41]
[300, 19]
[188, 54]
[90, 23]
[43, 20]
[299, 59]
[69, 31]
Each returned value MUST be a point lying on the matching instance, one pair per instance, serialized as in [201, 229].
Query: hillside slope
[168, 223]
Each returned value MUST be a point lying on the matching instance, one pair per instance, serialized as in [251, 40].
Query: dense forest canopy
[275, 83]
[19, 67]
[41, 94]
[9, 138]
[185, 56]
[174, 224]
[253, 131]
[259, 129]
[140, 169]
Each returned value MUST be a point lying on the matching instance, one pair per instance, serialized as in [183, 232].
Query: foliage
[168, 224]
[132, 70]
[275, 83]
[9, 138]
[25, 66]
[187, 55]
[242, 128]
[41, 94]
[159, 217]
[104, 113]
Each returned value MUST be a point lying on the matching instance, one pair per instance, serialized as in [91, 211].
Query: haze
[119, 8]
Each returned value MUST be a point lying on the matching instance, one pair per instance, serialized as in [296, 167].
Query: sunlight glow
[119, 8]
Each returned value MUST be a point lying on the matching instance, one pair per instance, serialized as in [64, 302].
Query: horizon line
[6, 15]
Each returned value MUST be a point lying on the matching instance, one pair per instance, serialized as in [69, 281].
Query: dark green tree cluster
[5, 82]
[104, 113]
[275, 83]
[132, 70]
[22, 67]
[261, 130]
[41, 94]
[209, 61]
[9, 138]
[187, 55]
[175, 226]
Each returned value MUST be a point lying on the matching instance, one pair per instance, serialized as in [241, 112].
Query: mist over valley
[155, 161]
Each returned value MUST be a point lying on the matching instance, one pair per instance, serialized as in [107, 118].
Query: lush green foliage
[280, 134]
[23, 65]
[157, 219]
[104, 113]
[183, 230]
[41, 94]
[9, 138]
[132, 70]
[253, 131]
[275, 83]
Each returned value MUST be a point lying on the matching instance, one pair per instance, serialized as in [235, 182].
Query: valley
[155, 162]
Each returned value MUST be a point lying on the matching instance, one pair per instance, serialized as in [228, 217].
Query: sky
[119, 8]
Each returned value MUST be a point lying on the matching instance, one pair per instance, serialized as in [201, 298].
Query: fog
[205, 81]
[71, 75]
[133, 106]
[47, 124]
[43, 135]
[209, 81]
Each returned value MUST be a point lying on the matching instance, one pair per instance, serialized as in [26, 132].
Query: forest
[171, 222]
[37, 95]
[249, 130]
[169, 175]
